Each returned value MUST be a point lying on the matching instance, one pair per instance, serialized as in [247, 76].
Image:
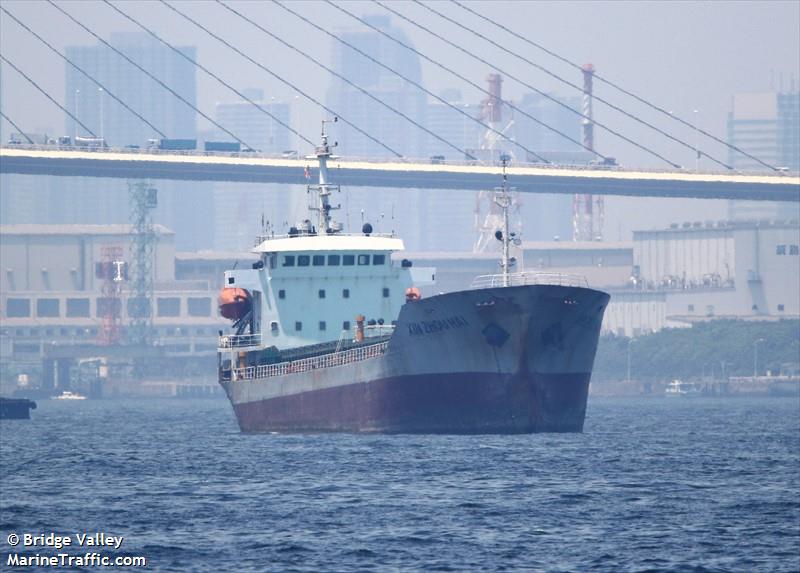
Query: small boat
[681, 388]
[16, 408]
[67, 395]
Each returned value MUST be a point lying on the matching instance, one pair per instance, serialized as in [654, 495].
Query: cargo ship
[330, 333]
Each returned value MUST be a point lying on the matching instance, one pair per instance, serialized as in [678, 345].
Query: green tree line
[716, 348]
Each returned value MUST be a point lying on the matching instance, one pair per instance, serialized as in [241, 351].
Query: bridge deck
[198, 166]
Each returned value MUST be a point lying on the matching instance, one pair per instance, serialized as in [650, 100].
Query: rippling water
[674, 485]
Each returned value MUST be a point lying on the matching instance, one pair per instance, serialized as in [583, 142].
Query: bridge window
[348, 260]
[199, 306]
[780, 250]
[385, 292]
[281, 294]
[378, 259]
[18, 307]
[303, 261]
[780, 308]
[691, 308]
[321, 293]
[319, 260]
[794, 249]
[288, 260]
[298, 326]
[47, 307]
[346, 293]
[322, 325]
[77, 307]
[333, 260]
[346, 325]
[273, 326]
[363, 260]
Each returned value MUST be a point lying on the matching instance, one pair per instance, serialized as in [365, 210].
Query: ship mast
[323, 153]
[502, 199]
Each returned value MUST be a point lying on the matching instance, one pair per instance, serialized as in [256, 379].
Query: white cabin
[308, 289]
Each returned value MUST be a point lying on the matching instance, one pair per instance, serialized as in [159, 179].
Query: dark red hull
[465, 403]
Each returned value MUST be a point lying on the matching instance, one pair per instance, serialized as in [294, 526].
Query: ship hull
[16, 408]
[462, 403]
[501, 360]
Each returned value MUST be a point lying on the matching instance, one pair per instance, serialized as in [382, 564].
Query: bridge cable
[209, 72]
[22, 133]
[470, 82]
[65, 110]
[614, 85]
[540, 92]
[97, 83]
[412, 82]
[282, 80]
[347, 81]
[573, 85]
[151, 76]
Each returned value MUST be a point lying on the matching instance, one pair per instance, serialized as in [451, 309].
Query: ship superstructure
[309, 285]
[330, 334]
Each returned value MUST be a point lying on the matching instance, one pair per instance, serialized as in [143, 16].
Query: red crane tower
[112, 270]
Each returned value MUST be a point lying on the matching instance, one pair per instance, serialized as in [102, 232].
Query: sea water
[656, 484]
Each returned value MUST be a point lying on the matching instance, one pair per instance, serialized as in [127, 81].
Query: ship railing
[228, 341]
[308, 364]
[370, 331]
[529, 278]
[304, 233]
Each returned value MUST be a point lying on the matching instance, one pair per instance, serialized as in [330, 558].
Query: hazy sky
[682, 55]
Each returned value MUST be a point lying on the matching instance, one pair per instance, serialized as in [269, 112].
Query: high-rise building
[106, 201]
[239, 209]
[253, 126]
[109, 119]
[454, 124]
[546, 141]
[363, 111]
[767, 126]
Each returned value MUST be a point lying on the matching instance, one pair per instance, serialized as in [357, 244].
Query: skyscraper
[452, 125]
[536, 136]
[767, 126]
[255, 127]
[372, 117]
[104, 200]
[105, 116]
[240, 208]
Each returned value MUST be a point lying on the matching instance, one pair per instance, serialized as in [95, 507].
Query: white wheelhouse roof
[306, 243]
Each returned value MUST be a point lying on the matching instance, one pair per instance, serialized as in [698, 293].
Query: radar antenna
[324, 188]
